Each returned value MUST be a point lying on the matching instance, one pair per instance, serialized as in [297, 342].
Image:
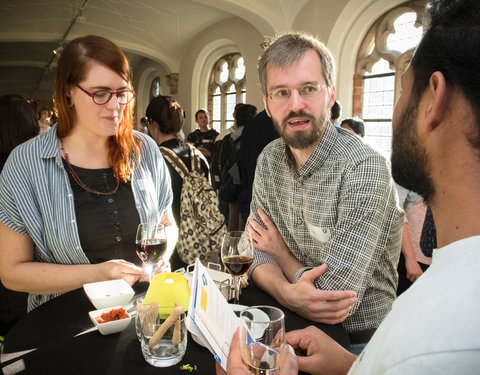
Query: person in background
[18, 123]
[412, 262]
[224, 167]
[232, 179]
[433, 327]
[44, 119]
[204, 137]
[335, 113]
[165, 119]
[257, 133]
[71, 199]
[355, 125]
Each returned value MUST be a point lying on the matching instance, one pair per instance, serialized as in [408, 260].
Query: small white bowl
[109, 293]
[109, 327]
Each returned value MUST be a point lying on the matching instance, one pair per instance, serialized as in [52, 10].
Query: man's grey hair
[287, 49]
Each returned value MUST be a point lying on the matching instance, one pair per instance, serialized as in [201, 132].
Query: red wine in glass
[237, 265]
[151, 245]
[151, 251]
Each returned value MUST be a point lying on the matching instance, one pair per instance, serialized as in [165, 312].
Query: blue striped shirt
[36, 198]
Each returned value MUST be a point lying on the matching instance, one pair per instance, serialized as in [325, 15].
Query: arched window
[383, 57]
[226, 89]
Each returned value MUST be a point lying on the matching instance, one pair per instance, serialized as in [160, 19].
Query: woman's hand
[414, 271]
[121, 269]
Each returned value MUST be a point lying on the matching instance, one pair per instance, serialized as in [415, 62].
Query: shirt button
[77, 247]
[73, 221]
[299, 221]
[115, 212]
[118, 239]
[110, 200]
[69, 195]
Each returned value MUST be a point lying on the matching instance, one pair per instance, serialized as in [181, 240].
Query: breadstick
[177, 311]
[176, 330]
[149, 318]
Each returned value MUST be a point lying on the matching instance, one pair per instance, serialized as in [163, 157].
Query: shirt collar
[49, 143]
[321, 152]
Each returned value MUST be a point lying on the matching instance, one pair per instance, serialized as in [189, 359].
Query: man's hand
[268, 240]
[319, 353]
[235, 365]
[323, 306]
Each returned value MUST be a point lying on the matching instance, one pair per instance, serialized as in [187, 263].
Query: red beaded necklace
[77, 179]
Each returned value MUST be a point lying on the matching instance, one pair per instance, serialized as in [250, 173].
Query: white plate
[109, 327]
[109, 293]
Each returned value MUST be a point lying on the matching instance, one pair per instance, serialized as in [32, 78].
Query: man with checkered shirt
[324, 213]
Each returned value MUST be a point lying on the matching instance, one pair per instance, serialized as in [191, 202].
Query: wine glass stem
[236, 283]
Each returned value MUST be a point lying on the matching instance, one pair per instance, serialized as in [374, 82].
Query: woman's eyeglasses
[101, 97]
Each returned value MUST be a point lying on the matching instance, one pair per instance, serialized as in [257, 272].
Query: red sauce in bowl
[113, 314]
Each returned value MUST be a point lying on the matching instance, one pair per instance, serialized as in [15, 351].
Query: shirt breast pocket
[321, 235]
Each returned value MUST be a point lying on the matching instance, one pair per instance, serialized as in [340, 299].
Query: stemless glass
[263, 344]
[151, 244]
[237, 256]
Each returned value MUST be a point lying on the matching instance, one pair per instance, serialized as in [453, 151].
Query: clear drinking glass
[263, 344]
[171, 347]
[237, 256]
[138, 317]
[151, 244]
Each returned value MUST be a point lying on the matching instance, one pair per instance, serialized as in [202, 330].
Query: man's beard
[410, 162]
[301, 139]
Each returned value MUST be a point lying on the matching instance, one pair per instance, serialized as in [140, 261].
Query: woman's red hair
[72, 68]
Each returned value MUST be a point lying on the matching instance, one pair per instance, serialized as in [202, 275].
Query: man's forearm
[270, 279]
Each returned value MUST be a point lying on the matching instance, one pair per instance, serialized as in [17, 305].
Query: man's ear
[266, 106]
[436, 107]
[332, 97]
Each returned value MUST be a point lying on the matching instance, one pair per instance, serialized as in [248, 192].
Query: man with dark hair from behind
[435, 152]
[335, 113]
[355, 125]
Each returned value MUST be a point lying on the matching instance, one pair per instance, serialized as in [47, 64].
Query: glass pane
[216, 110]
[406, 35]
[378, 97]
[244, 96]
[216, 125]
[380, 67]
[229, 124]
[379, 136]
[230, 107]
[223, 73]
[240, 69]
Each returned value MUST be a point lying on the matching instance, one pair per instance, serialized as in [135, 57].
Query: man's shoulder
[352, 149]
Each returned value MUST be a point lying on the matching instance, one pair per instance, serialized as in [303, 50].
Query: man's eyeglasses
[103, 96]
[281, 95]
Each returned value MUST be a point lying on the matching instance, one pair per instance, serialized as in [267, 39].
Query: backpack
[202, 226]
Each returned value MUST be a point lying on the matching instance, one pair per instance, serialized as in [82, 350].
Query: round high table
[46, 341]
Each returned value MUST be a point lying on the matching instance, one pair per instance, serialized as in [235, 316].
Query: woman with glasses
[71, 199]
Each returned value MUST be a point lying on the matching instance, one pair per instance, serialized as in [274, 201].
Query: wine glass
[151, 244]
[237, 256]
[263, 342]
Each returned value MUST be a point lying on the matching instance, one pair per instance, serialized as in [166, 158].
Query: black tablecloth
[51, 327]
